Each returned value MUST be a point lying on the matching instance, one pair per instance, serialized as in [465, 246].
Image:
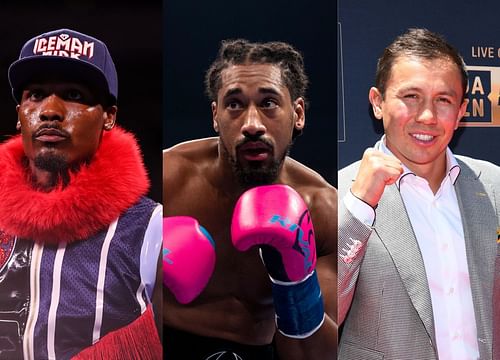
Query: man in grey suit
[417, 224]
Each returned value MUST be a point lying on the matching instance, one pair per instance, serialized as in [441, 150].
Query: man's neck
[225, 177]
[433, 172]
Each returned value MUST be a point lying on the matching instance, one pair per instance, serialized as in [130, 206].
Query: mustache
[54, 128]
[253, 139]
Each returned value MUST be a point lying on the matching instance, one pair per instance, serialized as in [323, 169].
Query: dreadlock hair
[243, 52]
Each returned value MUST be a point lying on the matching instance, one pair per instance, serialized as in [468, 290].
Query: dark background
[133, 34]
[192, 35]
[367, 28]
[161, 52]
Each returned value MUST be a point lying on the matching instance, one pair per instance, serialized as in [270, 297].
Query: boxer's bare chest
[237, 274]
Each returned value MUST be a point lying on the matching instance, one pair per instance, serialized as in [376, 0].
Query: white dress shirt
[437, 223]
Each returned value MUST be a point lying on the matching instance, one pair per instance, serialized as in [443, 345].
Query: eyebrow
[269, 90]
[262, 90]
[450, 92]
[233, 91]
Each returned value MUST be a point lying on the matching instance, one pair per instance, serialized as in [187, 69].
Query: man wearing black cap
[79, 241]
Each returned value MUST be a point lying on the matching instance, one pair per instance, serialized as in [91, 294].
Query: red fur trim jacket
[96, 195]
[72, 223]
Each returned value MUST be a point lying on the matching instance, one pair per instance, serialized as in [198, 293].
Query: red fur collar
[96, 195]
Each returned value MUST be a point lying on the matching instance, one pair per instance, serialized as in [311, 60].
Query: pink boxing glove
[276, 219]
[277, 216]
[188, 257]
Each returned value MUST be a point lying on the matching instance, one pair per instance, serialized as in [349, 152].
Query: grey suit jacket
[384, 298]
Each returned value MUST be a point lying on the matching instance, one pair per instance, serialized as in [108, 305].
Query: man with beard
[79, 241]
[258, 107]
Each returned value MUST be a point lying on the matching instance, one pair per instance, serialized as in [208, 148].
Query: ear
[376, 100]
[299, 117]
[461, 112]
[18, 125]
[215, 124]
[109, 117]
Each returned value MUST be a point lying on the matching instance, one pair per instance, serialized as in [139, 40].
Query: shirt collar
[452, 167]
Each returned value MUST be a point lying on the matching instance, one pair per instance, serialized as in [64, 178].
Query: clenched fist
[377, 170]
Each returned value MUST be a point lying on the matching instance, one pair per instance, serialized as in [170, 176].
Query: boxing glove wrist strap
[299, 307]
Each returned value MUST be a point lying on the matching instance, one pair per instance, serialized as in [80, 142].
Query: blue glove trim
[207, 234]
[299, 307]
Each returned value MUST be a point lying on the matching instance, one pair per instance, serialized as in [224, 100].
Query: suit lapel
[480, 224]
[391, 219]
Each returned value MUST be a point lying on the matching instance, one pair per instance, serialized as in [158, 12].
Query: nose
[253, 125]
[427, 114]
[52, 109]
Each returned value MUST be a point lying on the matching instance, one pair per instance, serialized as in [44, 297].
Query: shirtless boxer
[258, 108]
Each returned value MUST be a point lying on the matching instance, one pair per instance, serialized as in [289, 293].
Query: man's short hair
[243, 52]
[420, 43]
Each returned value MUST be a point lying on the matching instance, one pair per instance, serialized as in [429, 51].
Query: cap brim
[30, 69]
